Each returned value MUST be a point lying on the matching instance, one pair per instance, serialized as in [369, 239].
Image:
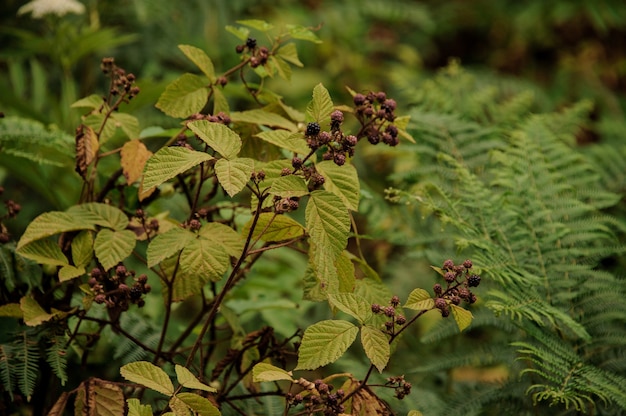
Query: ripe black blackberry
[313, 129]
[473, 280]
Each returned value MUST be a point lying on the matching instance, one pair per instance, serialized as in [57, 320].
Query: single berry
[351, 140]
[251, 43]
[393, 130]
[239, 48]
[448, 264]
[339, 159]
[440, 303]
[467, 264]
[359, 99]
[389, 104]
[142, 279]
[336, 117]
[400, 320]
[445, 312]
[395, 301]
[389, 325]
[135, 293]
[449, 277]
[389, 311]
[381, 96]
[473, 280]
[325, 137]
[120, 271]
[194, 225]
[376, 308]
[100, 299]
[296, 162]
[313, 129]
[437, 289]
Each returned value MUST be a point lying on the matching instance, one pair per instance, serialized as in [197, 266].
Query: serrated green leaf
[185, 96]
[418, 300]
[240, 32]
[462, 317]
[188, 380]
[95, 122]
[167, 244]
[129, 124]
[275, 228]
[169, 162]
[262, 117]
[324, 342]
[320, 107]
[289, 186]
[267, 372]
[345, 273]
[135, 408]
[82, 249]
[100, 214]
[302, 33]
[376, 346]
[342, 181]
[201, 59]
[233, 174]
[257, 24]
[50, 223]
[200, 405]
[218, 136]
[289, 53]
[70, 272]
[282, 67]
[148, 375]
[293, 142]
[33, 313]
[327, 221]
[92, 101]
[352, 304]
[204, 259]
[220, 103]
[225, 236]
[44, 251]
[112, 247]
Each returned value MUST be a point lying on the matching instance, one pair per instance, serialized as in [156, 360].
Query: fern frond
[56, 356]
[7, 368]
[26, 364]
[143, 329]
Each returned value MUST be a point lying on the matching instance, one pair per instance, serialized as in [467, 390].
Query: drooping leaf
[234, 174]
[324, 342]
[112, 247]
[69, 272]
[135, 408]
[352, 304]
[148, 375]
[240, 32]
[185, 96]
[257, 24]
[188, 380]
[218, 136]
[201, 59]
[200, 405]
[275, 228]
[293, 142]
[33, 313]
[205, 259]
[225, 236]
[303, 33]
[169, 162]
[289, 186]
[44, 251]
[82, 249]
[376, 346]
[462, 316]
[289, 53]
[320, 107]
[134, 156]
[282, 67]
[418, 300]
[92, 101]
[87, 146]
[327, 224]
[342, 181]
[167, 244]
[129, 124]
[263, 117]
[220, 103]
[346, 279]
[100, 214]
[267, 372]
[50, 223]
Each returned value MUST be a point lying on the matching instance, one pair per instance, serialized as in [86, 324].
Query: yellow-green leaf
[169, 162]
[167, 244]
[11, 310]
[294, 142]
[342, 181]
[352, 304]
[320, 107]
[289, 186]
[105, 398]
[44, 251]
[200, 405]
[100, 214]
[289, 53]
[274, 228]
[303, 33]
[148, 375]
[324, 342]
[267, 372]
[129, 124]
[257, 24]
[82, 249]
[92, 101]
[51, 223]
[225, 236]
[201, 59]
[135, 408]
[218, 136]
[376, 346]
[112, 247]
[33, 313]
[70, 272]
[204, 258]
[234, 174]
[263, 117]
[133, 158]
[419, 299]
[188, 380]
[462, 317]
[185, 96]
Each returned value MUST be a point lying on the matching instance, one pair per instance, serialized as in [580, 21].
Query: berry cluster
[401, 386]
[283, 205]
[258, 55]
[314, 179]
[150, 227]
[111, 288]
[459, 278]
[391, 313]
[221, 117]
[338, 145]
[376, 114]
[122, 84]
[12, 209]
[318, 397]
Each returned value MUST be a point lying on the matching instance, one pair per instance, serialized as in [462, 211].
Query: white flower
[40, 8]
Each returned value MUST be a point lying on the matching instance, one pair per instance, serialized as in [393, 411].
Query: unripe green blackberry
[473, 280]
[312, 129]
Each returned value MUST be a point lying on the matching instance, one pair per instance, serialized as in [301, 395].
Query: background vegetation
[517, 109]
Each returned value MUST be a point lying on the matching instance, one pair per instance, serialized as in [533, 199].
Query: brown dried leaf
[86, 149]
[134, 156]
[96, 397]
[59, 406]
[364, 402]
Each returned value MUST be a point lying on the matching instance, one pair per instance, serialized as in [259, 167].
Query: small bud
[448, 264]
[395, 301]
[400, 320]
[389, 311]
[437, 289]
[296, 162]
[449, 277]
[376, 308]
[359, 99]
[467, 264]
